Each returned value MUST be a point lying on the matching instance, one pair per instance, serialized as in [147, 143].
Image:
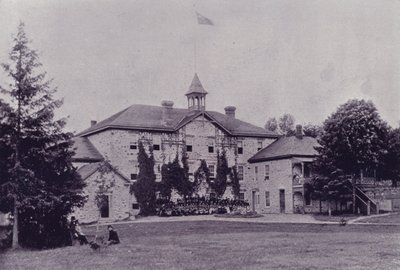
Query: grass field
[392, 218]
[226, 245]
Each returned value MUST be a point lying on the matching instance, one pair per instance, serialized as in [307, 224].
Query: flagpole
[195, 38]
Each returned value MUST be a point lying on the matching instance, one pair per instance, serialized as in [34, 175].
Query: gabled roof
[85, 150]
[196, 87]
[145, 117]
[88, 169]
[287, 147]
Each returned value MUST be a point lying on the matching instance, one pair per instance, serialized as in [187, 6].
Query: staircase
[364, 203]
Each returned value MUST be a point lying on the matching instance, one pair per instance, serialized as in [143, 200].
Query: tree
[392, 158]
[353, 138]
[201, 175]
[233, 175]
[284, 126]
[38, 182]
[272, 124]
[220, 182]
[145, 186]
[311, 130]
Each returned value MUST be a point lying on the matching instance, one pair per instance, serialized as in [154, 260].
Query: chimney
[93, 122]
[230, 111]
[166, 111]
[299, 132]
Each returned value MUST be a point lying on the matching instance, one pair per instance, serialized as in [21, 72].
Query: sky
[267, 58]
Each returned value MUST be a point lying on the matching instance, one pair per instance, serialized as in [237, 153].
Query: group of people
[77, 233]
[199, 206]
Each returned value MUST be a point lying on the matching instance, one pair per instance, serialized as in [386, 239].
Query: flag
[203, 20]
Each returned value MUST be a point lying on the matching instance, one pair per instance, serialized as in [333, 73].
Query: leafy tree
[145, 186]
[38, 182]
[220, 182]
[284, 126]
[353, 138]
[233, 175]
[311, 130]
[272, 124]
[201, 174]
[392, 158]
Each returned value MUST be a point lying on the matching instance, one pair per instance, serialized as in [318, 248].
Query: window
[256, 172]
[240, 148]
[135, 206]
[105, 206]
[241, 196]
[156, 147]
[258, 199]
[266, 172]
[189, 148]
[211, 168]
[267, 201]
[259, 145]
[307, 169]
[211, 146]
[240, 173]
[133, 146]
[133, 176]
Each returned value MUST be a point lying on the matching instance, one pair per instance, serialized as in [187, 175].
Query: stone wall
[119, 195]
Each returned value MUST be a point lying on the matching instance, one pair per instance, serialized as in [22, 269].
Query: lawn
[392, 218]
[226, 245]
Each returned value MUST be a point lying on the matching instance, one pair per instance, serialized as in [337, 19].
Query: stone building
[113, 143]
[277, 175]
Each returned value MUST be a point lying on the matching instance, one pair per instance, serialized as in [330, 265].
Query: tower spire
[196, 95]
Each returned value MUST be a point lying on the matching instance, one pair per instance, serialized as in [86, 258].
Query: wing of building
[168, 130]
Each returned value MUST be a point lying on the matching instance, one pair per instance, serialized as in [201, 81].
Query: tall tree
[145, 186]
[284, 126]
[272, 125]
[312, 130]
[233, 175]
[220, 182]
[392, 158]
[353, 138]
[38, 182]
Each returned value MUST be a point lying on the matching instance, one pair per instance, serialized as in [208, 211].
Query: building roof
[287, 147]
[85, 150]
[196, 87]
[146, 117]
[88, 169]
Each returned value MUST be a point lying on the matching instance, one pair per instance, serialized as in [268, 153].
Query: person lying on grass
[112, 236]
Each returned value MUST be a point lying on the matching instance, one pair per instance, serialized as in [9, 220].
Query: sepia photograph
[199, 134]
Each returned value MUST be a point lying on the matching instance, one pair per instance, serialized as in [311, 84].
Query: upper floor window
[133, 146]
[240, 147]
[267, 199]
[240, 172]
[256, 170]
[133, 176]
[259, 145]
[266, 174]
[210, 146]
[156, 147]
[189, 148]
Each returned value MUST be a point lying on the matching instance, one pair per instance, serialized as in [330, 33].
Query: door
[253, 201]
[282, 200]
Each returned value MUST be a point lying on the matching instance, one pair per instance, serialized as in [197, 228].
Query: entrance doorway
[282, 200]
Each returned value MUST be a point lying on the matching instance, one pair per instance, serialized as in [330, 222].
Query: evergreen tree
[37, 180]
[145, 186]
[233, 175]
[201, 174]
[220, 182]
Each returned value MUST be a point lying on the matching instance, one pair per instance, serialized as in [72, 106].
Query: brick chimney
[299, 132]
[93, 122]
[230, 111]
[166, 111]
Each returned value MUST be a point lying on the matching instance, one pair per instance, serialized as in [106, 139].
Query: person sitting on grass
[113, 238]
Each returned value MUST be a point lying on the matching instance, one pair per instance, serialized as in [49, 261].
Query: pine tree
[220, 182]
[38, 182]
[233, 175]
[145, 186]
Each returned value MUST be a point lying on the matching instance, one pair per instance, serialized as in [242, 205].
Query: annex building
[201, 133]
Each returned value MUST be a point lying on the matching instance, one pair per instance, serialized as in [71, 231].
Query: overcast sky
[264, 57]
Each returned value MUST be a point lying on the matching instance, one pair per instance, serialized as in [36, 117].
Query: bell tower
[196, 95]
